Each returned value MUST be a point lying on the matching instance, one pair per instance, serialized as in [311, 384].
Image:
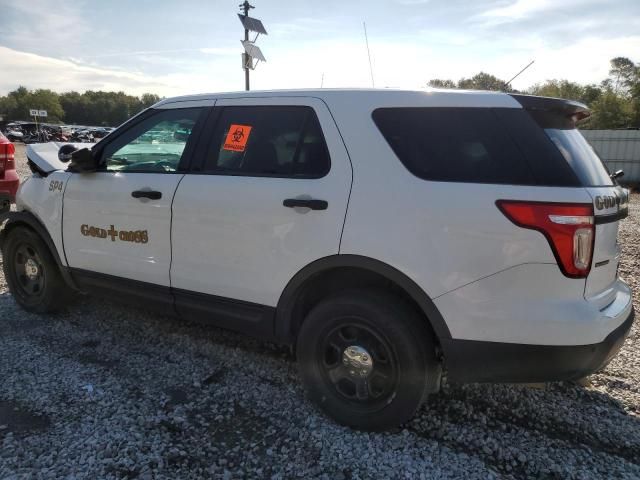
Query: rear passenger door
[268, 197]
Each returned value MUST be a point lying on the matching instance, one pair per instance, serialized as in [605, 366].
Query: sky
[192, 46]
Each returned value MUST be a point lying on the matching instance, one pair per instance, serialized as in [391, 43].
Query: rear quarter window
[453, 144]
[474, 145]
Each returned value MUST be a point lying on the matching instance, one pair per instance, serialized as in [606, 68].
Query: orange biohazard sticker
[237, 138]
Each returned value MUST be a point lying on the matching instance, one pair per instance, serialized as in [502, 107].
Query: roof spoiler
[567, 108]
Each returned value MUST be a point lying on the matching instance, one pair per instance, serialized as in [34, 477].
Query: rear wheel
[31, 272]
[365, 358]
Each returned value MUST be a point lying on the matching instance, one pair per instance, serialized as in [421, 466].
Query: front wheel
[31, 272]
[365, 358]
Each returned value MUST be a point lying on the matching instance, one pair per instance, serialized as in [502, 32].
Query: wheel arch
[289, 313]
[29, 220]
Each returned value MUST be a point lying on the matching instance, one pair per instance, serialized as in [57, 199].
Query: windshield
[581, 156]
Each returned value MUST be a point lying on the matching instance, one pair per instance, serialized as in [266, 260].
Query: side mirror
[83, 161]
[65, 152]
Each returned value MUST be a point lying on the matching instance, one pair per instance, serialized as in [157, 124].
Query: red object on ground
[9, 180]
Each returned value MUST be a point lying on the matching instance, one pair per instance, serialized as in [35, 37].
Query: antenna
[322, 80]
[518, 74]
[366, 39]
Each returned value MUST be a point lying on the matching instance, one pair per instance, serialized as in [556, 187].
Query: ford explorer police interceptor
[384, 234]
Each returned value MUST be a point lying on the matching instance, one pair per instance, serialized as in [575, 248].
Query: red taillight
[7, 157]
[568, 227]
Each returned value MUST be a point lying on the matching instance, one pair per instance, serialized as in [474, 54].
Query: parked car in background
[14, 134]
[9, 180]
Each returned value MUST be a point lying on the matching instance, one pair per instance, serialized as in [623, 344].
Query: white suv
[385, 234]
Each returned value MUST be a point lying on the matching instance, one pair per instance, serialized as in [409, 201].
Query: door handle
[308, 203]
[150, 194]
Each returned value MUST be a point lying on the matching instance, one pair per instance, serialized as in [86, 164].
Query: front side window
[155, 145]
[272, 141]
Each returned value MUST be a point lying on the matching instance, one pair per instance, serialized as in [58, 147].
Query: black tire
[392, 335]
[41, 292]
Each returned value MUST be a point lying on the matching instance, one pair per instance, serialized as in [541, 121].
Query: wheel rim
[29, 270]
[359, 365]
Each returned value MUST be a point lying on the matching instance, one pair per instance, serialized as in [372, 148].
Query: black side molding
[285, 321]
[613, 217]
[245, 317]
[477, 361]
[132, 292]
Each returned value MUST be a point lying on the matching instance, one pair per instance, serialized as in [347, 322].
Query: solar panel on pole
[252, 24]
[253, 50]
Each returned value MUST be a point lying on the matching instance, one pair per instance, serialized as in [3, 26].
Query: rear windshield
[483, 145]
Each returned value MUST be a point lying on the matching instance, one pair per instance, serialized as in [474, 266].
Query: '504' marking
[55, 185]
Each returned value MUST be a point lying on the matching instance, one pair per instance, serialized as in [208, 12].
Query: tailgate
[610, 206]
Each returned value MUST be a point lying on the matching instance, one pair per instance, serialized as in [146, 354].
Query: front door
[117, 221]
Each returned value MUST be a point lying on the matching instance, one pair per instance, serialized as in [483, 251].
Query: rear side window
[268, 141]
[453, 145]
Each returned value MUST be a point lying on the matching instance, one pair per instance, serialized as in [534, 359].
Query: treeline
[89, 108]
[614, 102]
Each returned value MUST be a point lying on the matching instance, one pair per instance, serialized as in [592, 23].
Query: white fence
[619, 149]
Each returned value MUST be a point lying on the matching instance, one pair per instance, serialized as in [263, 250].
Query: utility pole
[245, 7]
[252, 54]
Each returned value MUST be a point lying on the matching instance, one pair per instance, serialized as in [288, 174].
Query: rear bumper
[480, 361]
[9, 184]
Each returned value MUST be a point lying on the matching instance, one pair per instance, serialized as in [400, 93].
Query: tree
[483, 81]
[20, 101]
[591, 94]
[103, 108]
[149, 99]
[610, 111]
[438, 83]
[624, 74]
[559, 89]
[480, 81]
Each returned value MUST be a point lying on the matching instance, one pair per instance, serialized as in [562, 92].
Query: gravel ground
[106, 391]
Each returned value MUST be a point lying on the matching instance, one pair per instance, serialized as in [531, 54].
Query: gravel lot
[106, 391]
